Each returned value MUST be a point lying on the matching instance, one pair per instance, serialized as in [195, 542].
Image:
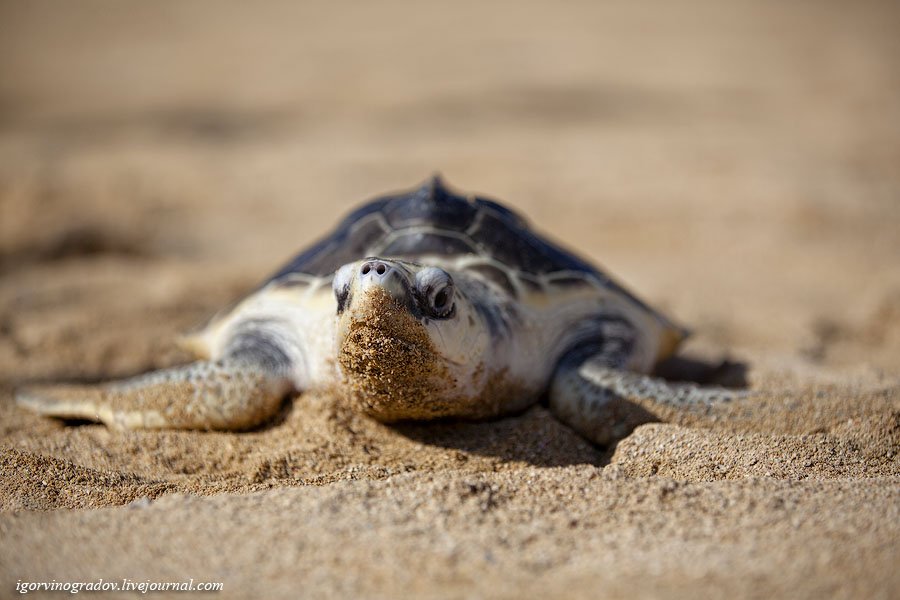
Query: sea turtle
[419, 305]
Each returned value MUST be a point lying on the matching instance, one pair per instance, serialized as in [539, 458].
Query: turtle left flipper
[600, 399]
[232, 393]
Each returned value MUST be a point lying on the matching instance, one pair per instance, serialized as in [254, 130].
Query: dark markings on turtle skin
[343, 297]
[500, 318]
[495, 319]
[260, 339]
[611, 337]
[425, 221]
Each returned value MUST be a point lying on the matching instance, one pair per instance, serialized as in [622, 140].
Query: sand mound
[35, 482]
[870, 450]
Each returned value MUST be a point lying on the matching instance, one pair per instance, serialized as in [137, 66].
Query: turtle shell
[433, 220]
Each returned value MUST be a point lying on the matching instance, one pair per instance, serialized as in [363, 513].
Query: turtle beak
[354, 282]
[373, 293]
[384, 276]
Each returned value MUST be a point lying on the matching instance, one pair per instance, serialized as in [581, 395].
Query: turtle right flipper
[229, 394]
[601, 400]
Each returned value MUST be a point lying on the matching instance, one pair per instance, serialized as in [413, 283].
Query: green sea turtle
[419, 305]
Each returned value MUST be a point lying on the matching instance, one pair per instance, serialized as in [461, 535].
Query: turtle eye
[436, 291]
[441, 301]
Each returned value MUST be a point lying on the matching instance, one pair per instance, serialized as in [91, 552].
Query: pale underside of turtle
[419, 305]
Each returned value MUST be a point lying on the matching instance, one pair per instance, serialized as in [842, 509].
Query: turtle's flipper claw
[225, 394]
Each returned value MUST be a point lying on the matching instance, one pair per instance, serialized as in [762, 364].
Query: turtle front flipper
[598, 398]
[232, 393]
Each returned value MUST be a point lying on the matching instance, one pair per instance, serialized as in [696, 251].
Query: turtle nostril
[373, 267]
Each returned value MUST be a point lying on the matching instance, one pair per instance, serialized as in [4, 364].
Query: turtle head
[409, 341]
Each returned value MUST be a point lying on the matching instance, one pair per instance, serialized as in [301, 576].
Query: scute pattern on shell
[434, 220]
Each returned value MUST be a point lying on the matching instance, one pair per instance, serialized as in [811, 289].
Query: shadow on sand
[535, 437]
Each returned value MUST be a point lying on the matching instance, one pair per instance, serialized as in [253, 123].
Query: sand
[734, 164]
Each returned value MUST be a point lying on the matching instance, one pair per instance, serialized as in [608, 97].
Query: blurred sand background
[735, 163]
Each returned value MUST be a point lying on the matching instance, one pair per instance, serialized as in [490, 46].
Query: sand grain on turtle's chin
[391, 370]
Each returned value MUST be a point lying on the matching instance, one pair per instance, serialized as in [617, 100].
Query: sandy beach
[735, 164]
